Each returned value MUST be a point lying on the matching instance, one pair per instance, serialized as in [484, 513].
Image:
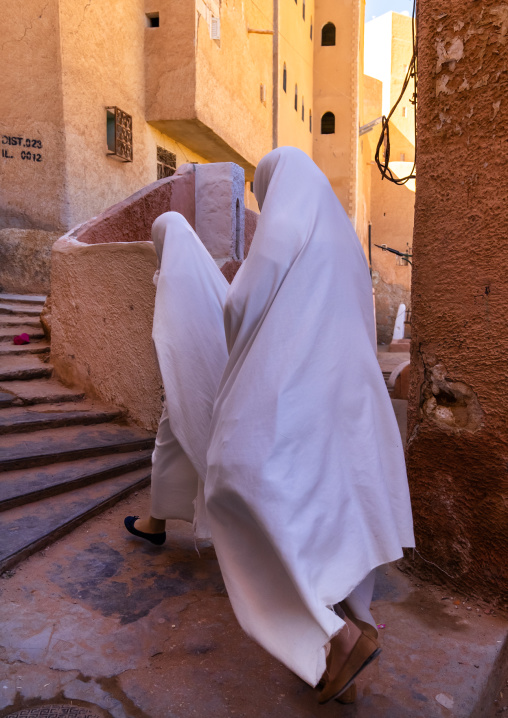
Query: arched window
[328, 34]
[328, 123]
[303, 9]
[310, 120]
[284, 78]
[303, 110]
[296, 97]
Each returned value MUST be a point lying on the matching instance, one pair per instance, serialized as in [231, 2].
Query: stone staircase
[63, 458]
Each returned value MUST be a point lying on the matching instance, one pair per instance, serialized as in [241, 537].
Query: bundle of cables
[384, 139]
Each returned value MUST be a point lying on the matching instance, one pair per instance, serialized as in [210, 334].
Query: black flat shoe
[157, 539]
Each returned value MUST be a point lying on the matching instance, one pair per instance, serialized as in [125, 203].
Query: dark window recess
[152, 19]
[303, 9]
[296, 98]
[303, 110]
[311, 28]
[328, 34]
[328, 123]
[166, 163]
[284, 78]
[310, 120]
[252, 186]
[238, 235]
[119, 133]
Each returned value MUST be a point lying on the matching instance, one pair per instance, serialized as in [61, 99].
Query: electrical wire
[384, 138]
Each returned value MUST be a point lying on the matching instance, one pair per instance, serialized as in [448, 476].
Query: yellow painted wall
[336, 89]
[295, 51]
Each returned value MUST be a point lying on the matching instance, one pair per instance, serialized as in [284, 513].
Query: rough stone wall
[25, 260]
[458, 414]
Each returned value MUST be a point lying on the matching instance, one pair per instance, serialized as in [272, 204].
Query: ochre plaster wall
[204, 92]
[229, 73]
[458, 413]
[32, 194]
[295, 51]
[392, 212]
[336, 89]
[102, 309]
[388, 53]
[102, 50]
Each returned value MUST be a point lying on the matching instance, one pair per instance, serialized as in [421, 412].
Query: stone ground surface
[105, 620]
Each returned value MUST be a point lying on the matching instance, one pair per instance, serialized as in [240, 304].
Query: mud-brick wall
[458, 414]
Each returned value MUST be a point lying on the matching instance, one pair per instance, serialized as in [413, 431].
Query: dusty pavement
[104, 620]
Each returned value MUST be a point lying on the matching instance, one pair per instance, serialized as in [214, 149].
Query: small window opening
[311, 27]
[237, 231]
[402, 156]
[152, 19]
[328, 35]
[310, 120]
[215, 28]
[303, 9]
[284, 78]
[328, 124]
[404, 112]
[166, 163]
[303, 109]
[119, 133]
[251, 187]
[110, 130]
[296, 98]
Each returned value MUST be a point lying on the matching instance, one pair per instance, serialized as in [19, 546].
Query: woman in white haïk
[305, 487]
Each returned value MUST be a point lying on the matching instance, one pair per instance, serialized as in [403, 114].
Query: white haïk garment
[188, 333]
[306, 488]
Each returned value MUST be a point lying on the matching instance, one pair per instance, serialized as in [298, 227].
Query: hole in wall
[152, 19]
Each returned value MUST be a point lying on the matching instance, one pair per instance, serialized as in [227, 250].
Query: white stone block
[220, 209]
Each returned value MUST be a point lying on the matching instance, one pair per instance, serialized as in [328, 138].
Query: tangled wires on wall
[384, 138]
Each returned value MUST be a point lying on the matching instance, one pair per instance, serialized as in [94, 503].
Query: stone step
[38, 391]
[29, 528]
[13, 320]
[39, 448]
[47, 416]
[8, 399]
[24, 486]
[42, 347]
[28, 310]
[15, 368]
[23, 298]
[7, 334]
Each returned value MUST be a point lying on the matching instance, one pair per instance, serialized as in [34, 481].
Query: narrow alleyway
[99, 620]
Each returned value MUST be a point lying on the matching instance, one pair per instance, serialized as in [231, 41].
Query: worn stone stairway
[63, 458]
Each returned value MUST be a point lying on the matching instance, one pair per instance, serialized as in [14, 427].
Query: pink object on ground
[22, 339]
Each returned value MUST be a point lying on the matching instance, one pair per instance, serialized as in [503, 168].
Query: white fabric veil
[188, 333]
[306, 489]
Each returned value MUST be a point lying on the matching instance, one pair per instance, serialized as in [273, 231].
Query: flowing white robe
[306, 488]
[188, 333]
[304, 479]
